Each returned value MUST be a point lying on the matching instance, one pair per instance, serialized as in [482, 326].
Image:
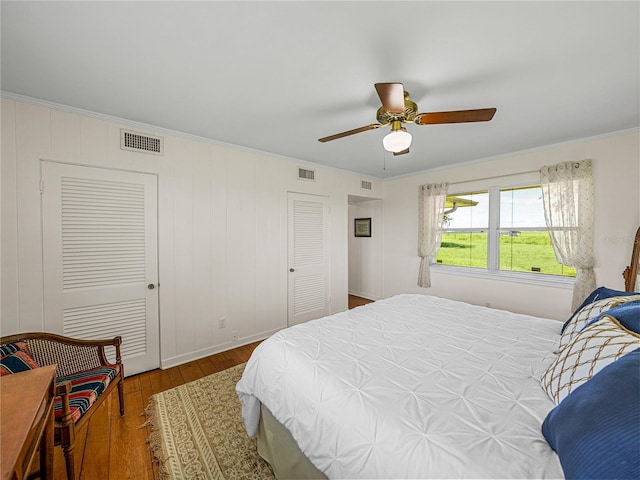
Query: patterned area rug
[198, 433]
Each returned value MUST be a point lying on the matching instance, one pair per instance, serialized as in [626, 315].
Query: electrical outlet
[234, 334]
[222, 322]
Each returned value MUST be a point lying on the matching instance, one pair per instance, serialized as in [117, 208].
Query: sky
[519, 208]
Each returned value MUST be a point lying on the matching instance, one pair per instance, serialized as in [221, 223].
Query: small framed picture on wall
[362, 227]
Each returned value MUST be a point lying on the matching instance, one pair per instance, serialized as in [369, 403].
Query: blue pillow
[599, 293]
[627, 314]
[596, 429]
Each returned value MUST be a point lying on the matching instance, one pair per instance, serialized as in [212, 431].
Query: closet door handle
[151, 286]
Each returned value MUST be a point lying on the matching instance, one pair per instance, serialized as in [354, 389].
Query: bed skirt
[277, 446]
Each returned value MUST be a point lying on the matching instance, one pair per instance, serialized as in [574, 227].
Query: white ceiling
[276, 76]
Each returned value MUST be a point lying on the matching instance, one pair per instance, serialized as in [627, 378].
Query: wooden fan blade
[392, 96]
[350, 132]
[402, 152]
[456, 116]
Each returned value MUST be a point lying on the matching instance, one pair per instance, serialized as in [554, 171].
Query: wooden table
[26, 422]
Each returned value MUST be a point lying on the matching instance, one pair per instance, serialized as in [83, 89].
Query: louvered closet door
[101, 258]
[309, 267]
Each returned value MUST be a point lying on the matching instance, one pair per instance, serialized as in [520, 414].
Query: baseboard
[205, 352]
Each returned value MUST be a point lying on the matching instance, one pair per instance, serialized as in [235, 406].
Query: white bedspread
[412, 386]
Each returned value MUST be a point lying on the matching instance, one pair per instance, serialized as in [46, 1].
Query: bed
[413, 386]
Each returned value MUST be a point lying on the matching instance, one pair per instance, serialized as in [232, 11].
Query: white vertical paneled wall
[616, 166]
[9, 222]
[222, 226]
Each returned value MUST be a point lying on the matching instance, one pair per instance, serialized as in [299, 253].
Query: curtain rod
[496, 176]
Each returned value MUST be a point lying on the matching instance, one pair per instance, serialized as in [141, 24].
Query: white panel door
[308, 257]
[100, 251]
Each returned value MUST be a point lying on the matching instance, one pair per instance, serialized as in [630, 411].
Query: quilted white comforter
[412, 386]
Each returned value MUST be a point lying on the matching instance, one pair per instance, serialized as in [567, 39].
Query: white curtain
[431, 202]
[567, 192]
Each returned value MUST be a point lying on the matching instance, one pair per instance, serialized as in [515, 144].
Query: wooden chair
[76, 361]
[631, 274]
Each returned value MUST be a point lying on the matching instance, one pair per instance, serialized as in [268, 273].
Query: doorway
[365, 253]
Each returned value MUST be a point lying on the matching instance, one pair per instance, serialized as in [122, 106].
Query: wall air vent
[366, 185]
[137, 142]
[306, 174]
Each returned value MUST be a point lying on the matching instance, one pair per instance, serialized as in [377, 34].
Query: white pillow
[592, 349]
[591, 312]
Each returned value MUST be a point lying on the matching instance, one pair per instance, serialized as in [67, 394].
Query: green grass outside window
[520, 251]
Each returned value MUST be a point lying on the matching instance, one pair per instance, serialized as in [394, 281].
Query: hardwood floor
[113, 447]
[357, 301]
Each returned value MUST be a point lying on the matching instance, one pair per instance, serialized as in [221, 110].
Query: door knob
[151, 286]
[291, 269]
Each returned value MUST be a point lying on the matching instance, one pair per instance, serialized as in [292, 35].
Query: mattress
[413, 386]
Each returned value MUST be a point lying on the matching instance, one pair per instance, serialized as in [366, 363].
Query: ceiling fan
[397, 109]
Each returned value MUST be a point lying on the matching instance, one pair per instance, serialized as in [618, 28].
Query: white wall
[222, 226]
[365, 253]
[616, 169]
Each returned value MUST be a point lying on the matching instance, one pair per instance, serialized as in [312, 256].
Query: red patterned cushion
[9, 348]
[20, 361]
[86, 387]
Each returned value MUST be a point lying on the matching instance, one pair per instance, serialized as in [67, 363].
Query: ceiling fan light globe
[397, 141]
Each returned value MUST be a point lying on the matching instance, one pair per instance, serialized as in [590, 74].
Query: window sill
[504, 276]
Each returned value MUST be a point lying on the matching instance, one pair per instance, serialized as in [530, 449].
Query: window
[499, 229]
[465, 238]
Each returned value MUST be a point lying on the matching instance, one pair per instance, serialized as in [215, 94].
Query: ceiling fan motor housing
[410, 111]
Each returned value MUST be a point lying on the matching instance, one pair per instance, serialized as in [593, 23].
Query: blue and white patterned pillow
[592, 349]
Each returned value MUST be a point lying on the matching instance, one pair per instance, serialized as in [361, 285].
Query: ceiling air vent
[306, 174]
[141, 143]
[366, 185]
